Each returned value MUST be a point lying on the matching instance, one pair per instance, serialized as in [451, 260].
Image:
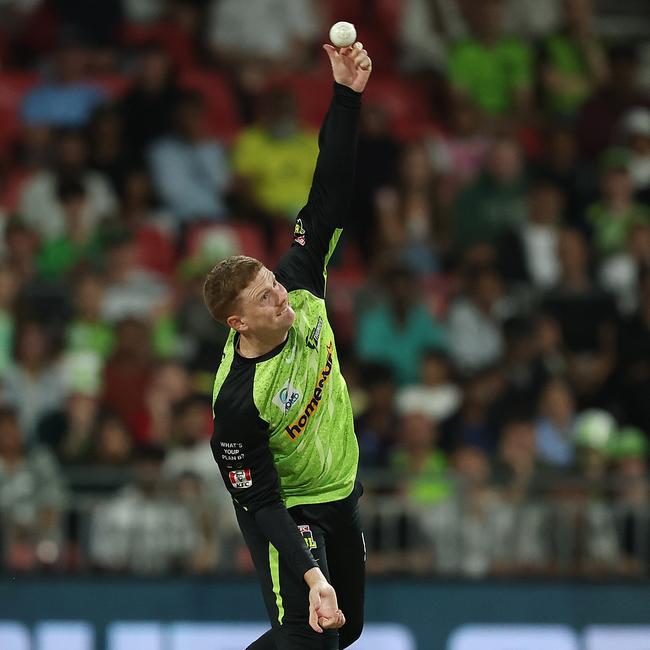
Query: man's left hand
[351, 66]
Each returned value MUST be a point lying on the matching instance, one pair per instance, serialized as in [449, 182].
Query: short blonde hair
[224, 283]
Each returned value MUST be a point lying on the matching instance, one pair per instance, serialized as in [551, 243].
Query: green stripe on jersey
[274, 564]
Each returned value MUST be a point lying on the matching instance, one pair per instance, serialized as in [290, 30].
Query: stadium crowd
[491, 295]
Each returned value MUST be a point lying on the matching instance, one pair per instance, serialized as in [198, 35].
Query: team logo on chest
[286, 397]
[312, 338]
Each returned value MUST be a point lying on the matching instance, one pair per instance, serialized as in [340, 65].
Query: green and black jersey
[283, 426]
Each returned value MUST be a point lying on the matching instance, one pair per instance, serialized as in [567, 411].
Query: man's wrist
[313, 576]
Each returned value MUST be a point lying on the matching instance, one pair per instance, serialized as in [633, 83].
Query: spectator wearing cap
[404, 321]
[190, 172]
[635, 130]
[612, 218]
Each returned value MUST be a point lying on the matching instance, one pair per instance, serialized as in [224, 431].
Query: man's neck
[251, 346]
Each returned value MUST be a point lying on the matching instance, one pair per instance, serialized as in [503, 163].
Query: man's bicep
[246, 466]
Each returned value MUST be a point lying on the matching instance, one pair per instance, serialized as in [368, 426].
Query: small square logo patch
[308, 536]
[241, 478]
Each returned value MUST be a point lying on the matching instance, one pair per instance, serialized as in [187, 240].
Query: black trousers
[333, 533]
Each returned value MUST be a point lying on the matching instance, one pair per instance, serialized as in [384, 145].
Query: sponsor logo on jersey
[287, 397]
[308, 536]
[299, 233]
[312, 338]
[296, 429]
[241, 478]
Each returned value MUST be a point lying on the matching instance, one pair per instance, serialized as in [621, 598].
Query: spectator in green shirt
[613, 217]
[496, 202]
[492, 69]
[574, 62]
[88, 331]
[59, 256]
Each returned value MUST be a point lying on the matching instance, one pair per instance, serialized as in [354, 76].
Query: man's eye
[275, 283]
[265, 296]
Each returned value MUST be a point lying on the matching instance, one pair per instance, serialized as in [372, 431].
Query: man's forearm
[281, 530]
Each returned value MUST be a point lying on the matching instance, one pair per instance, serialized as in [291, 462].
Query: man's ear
[236, 323]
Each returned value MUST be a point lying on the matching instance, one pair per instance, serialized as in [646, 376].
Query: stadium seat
[222, 116]
[407, 107]
[245, 239]
[312, 93]
[174, 39]
[14, 86]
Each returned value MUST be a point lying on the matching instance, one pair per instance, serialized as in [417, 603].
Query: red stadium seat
[408, 108]
[13, 87]
[174, 39]
[222, 116]
[350, 10]
[312, 92]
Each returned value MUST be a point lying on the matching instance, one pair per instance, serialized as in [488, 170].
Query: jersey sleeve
[240, 446]
[318, 225]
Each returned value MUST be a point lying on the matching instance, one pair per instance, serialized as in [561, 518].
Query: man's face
[263, 307]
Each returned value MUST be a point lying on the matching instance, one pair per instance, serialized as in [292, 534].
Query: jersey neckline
[264, 357]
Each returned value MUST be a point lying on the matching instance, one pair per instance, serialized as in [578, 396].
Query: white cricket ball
[343, 34]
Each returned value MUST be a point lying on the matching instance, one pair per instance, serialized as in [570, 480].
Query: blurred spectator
[32, 499]
[601, 115]
[131, 291]
[587, 317]
[633, 372]
[21, 250]
[190, 172]
[170, 386]
[492, 69]
[190, 450]
[403, 321]
[87, 330]
[144, 529]
[98, 24]
[617, 212]
[561, 164]
[40, 205]
[419, 465]
[234, 31]
[426, 27]
[69, 98]
[554, 425]
[518, 469]
[34, 383]
[147, 107]
[436, 395]
[632, 496]
[78, 243]
[110, 154]
[128, 373]
[69, 431]
[408, 213]
[112, 443]
[473, 322]
[8, 292]
[476, 422]
[143, 11]
[274, 160]
[574, 62]
[496, 201]
[468, 532]
[376, 426]
[635, 130]
[377, 155]
[619, 273]
[459, 153]
[529, 253]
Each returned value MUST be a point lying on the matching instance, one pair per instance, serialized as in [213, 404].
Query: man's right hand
[324, 613]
